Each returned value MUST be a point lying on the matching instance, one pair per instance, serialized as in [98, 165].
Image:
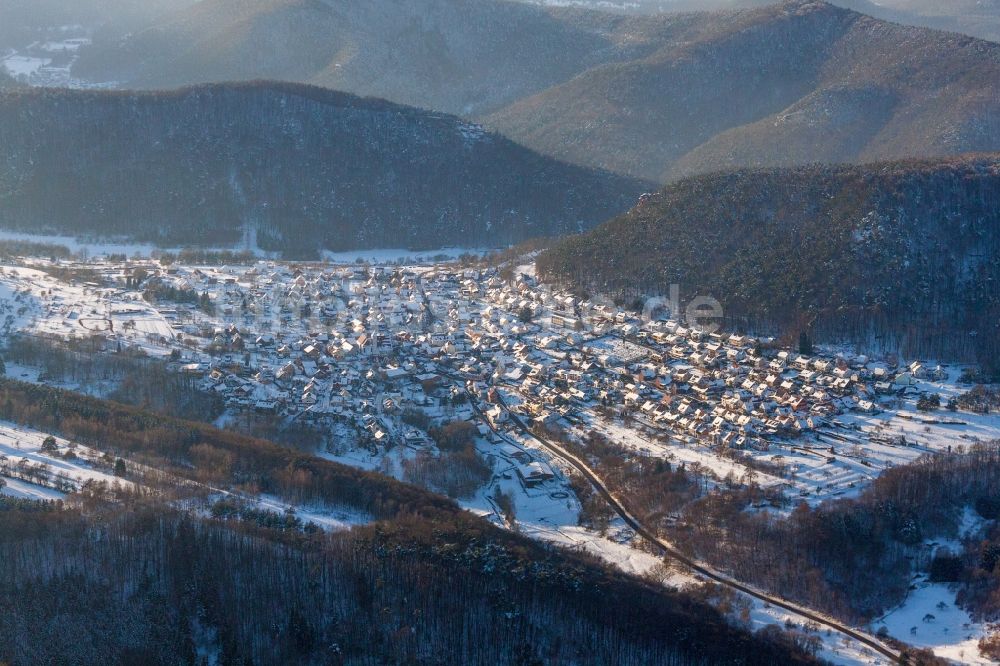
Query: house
[534, 473]
[497, 416]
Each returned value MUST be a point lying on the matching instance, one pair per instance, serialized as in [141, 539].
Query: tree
[928, 402]
[49, 445]
[945, 568]
[526, 314]
[454, 436]
[805, 344]
[119, 467]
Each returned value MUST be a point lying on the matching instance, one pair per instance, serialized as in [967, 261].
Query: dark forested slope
[298, 168]
[124, 578]
[154, 587]
[902, 255]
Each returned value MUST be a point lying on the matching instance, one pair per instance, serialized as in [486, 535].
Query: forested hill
[300, 168]
[120, 578]
[657, 97]
[902, 255]
[793, 83]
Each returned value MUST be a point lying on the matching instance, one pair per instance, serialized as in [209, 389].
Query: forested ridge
[154, 586]
[853, 558]
[127, 577]
[289, 167]
[656, 97]
[787, 83]
[902, 257]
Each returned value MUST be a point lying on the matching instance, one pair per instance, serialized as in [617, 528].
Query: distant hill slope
[25, 22]
[792, 83]
[460, 57]
[903, 255]
[657, 97]
[302, 168]
[976, 18]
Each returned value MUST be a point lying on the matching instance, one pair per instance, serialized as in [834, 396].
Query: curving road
[698, 567]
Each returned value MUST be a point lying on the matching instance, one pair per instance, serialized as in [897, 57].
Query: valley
[500, 332]
[453, 378]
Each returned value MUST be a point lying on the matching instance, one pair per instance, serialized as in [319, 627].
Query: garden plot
[935, 431]
[815, 473]
[620, 349]
[139, 320]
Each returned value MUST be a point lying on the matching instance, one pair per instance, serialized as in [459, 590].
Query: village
[380, 354]
[379, 361]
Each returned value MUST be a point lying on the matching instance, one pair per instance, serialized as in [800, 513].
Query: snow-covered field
[25, 490]
[21, 449]
[20, 66]
[96, 247]
[49, 61]
[33, 302]
[21, 452]
[105, 247]
[930, 619]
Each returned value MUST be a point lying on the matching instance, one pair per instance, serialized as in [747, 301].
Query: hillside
[652, 96]
[297, 168]
[903, 256]
[89, 581]
[378, 594]
[976, 18]
[793, 83]
[23, 22]
[468, 57]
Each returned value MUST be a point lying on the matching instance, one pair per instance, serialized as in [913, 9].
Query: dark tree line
[157, 587]
[207, 454]
[138, 379]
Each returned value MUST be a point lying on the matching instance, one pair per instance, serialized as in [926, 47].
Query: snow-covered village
[500, 332]
[475, 380]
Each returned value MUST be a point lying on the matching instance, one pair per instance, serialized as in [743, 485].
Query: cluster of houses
[720, 389]
[372, 346]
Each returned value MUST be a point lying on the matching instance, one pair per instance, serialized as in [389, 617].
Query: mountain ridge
[656, 97]
[806, 79]
[306, 168]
